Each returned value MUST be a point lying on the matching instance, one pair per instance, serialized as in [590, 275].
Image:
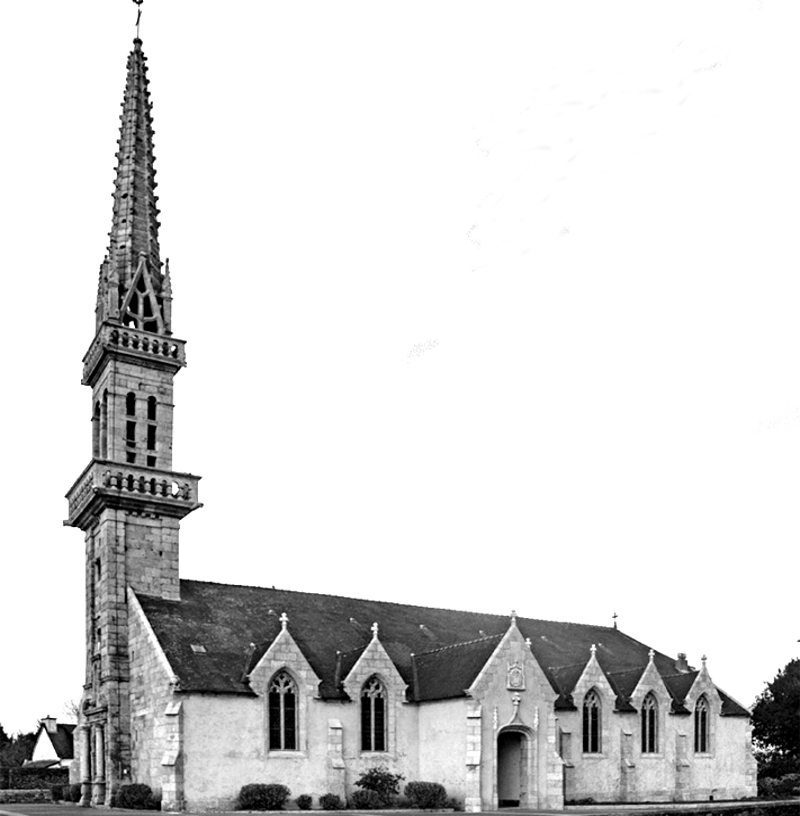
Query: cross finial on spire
[651, 654]
[593, 650]
[374, 630]
[138, 15]
[284, 619]
[614, 618]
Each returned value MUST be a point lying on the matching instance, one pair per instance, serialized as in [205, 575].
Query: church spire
[131, 289]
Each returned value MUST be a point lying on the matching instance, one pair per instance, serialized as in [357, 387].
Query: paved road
[65, 809]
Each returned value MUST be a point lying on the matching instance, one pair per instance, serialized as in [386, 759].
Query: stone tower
[128, 500]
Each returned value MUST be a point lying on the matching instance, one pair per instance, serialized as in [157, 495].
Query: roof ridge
[461, 643]
[568, 666]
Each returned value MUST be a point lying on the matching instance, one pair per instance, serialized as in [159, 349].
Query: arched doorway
[512, 768]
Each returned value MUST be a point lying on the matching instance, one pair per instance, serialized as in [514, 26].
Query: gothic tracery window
[591, 723]
[282, 712]
[373, 716]
[649, 715]
[701, 741]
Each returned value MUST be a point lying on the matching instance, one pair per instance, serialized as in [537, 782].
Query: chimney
[681, 664]
[50, 724]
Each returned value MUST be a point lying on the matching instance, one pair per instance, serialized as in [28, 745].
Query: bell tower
[128, 500]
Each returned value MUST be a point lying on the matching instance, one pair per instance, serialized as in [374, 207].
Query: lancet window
[649, 715]
[591, 722]
[373, 715]
[701, 737]
[282, 713]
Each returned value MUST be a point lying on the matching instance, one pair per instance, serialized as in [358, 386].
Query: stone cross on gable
[593, 650]
[374, 630]
[284, 619]
[651, 654]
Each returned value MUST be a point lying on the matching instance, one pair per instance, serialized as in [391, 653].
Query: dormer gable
[594, 677]
[512, 667]
[284, 654]
[374, 661]
[650, 682]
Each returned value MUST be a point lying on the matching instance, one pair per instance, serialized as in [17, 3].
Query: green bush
[427, 795]
[260, 796]
[304, 801]
[382, 781]
[366, 800]
[75, 792]
[331, 801]
[781, 788]
[455, 804]
[135, 796]
[57, 792]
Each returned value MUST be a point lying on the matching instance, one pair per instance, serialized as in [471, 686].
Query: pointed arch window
[592, 711]
[282, 712]
[373, 715]
[701, 740]
[649, 715]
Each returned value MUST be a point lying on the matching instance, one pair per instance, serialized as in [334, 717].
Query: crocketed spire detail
[132, 289]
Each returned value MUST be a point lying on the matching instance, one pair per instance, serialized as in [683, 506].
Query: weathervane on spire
[138, 15]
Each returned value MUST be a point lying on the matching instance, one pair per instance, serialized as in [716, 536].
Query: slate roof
[61, 740]
[438, 652]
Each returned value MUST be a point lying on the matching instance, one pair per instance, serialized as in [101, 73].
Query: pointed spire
[134, 227]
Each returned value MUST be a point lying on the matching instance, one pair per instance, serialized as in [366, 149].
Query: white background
[488, 306]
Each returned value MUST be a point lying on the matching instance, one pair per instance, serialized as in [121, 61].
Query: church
[197, 688]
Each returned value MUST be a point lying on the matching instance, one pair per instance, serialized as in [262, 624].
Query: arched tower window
[130, 403]
[649, 716]
[96, 431]
[104, 427]
[151, 432]
[373, 715]
[591, 722]
[701, 740]
[282, 712]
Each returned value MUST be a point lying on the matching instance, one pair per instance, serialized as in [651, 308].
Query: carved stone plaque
[515, 678]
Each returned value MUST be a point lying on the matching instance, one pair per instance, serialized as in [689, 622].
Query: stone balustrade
[128, 340]
[170, 492]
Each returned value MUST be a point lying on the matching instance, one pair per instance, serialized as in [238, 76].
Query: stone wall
[155, 715]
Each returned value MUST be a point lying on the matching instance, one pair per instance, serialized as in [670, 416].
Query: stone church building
[197, 688]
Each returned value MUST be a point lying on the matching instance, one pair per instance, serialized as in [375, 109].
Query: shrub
[135, 796]
[455, 804]
[57, 792]
[366, 800]
[783, 787]
[427, 795]
[304, 801]
[381, 780]
[259, 796]
[75, 792]
[331, 801]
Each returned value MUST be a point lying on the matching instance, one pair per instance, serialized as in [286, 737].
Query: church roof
[217, 633]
